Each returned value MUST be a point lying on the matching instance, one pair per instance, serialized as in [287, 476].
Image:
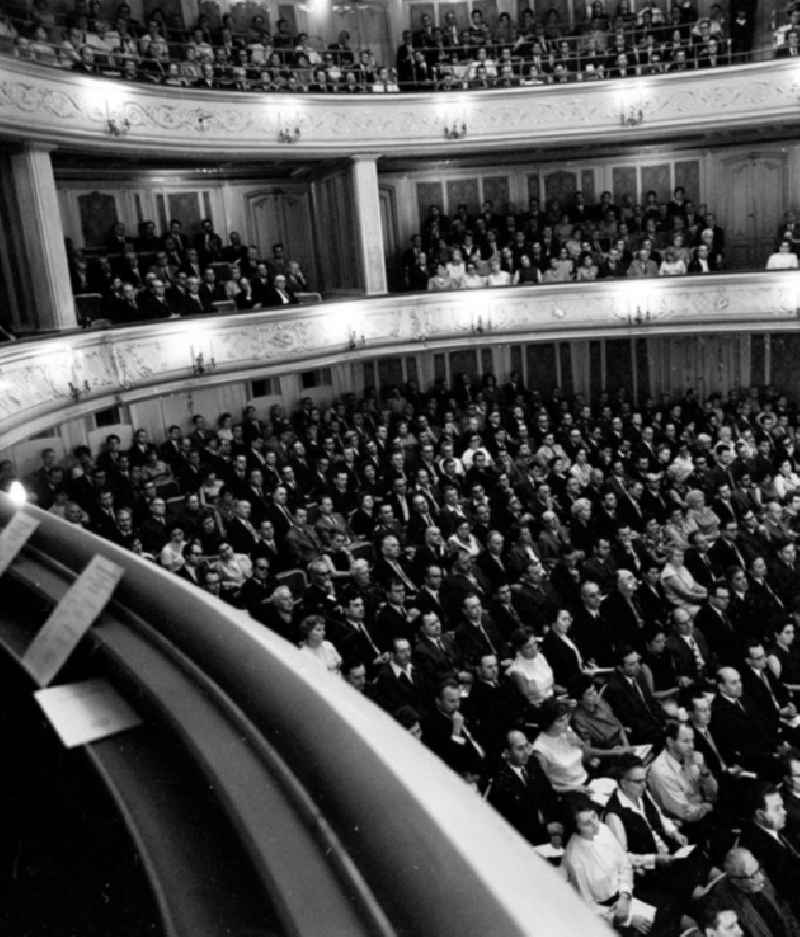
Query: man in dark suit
[763, 836]
[726, 553]
[434, 655]
[476, 635]
[591, 630]
[520, 792]
[713, 623]
[745, 894]
[448, 734]
[698, 561]
[769, 697]
[784, 576]
[242, 535]
[278, 295]
[632, 702]
[690, 652]
[791, 796]
[492, 707]
[398, 683]
[354, 638]
[741, 737]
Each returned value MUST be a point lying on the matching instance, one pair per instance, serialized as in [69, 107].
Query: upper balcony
[69, 110]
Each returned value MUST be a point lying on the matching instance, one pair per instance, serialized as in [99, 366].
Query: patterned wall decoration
[429, 193]
[687, 174]
[587, 186]
[98, 216]
[534, 189]
[560, 185]
[496, 189]
[623, 182]
[657, 179]
[463, 190]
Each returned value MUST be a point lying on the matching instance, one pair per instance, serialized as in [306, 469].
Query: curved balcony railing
[337, 814]
[51, 379]
[63, 108]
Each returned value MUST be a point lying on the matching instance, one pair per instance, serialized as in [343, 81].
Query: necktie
[524, 775]
[707, 736]
[699, 660]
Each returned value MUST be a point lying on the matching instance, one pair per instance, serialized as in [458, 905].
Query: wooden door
[752, 201]
[284, 216]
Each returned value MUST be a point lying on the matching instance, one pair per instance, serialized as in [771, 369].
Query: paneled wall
[262, 211]
[643, 366]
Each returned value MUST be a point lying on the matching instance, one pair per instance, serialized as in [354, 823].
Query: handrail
[437, 859]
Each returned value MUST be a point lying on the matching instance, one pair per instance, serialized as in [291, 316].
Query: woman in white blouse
[530, 672]
[314, 645]
[559, 751]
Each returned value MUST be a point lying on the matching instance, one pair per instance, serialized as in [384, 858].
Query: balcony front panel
[47, 105]
[52, 379]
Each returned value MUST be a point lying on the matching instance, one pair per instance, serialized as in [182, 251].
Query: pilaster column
[371, 254]
[42, 238]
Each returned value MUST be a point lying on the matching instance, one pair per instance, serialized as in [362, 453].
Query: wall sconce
[201, 364]
[456, 131]
[640, 319]
[631, 117]
[118, 127]
[204, 122]
[356, 341]
[289, 135]
[77, 392]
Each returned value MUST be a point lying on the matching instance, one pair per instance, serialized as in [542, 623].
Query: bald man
[740, 736]
[746, 890]
[520, 792]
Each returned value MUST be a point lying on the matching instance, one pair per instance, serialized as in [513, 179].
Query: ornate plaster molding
[53, 106]
[141, 361]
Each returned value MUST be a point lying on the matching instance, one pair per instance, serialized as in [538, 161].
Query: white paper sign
[71, 619]
[14, 537]
[85, 712]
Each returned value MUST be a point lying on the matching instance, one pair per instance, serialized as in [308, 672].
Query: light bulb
[17, 493]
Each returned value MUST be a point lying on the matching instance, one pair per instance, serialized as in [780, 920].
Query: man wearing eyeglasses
[746, 890]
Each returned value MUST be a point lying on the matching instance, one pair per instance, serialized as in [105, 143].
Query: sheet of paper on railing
[14, 536]
[86, 712]
[71, 619]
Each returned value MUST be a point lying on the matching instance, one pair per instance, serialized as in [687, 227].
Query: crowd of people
[561, 243]
[586, 610]
[455, 54]
[160, 276]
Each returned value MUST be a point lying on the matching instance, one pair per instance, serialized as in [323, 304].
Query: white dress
[326, 656]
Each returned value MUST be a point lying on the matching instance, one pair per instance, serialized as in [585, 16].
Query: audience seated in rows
[588, 611]
[156, 277]
[563, 243]
[456, 54]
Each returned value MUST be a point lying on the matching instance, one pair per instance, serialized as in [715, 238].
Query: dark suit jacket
[641, 718]
[392, 692]
[240, 537]
[471, 643]
[685, 663]
[720, 636]
[739, 733]
[759, 697]
[780, 862]
[492, 710]
[703, 572]
[437, 734]
[434, 664]
[527, 807]
[562, 659]
[724, 896]
[594, 636]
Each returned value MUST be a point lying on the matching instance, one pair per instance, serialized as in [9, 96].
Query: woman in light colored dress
[314, 645]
